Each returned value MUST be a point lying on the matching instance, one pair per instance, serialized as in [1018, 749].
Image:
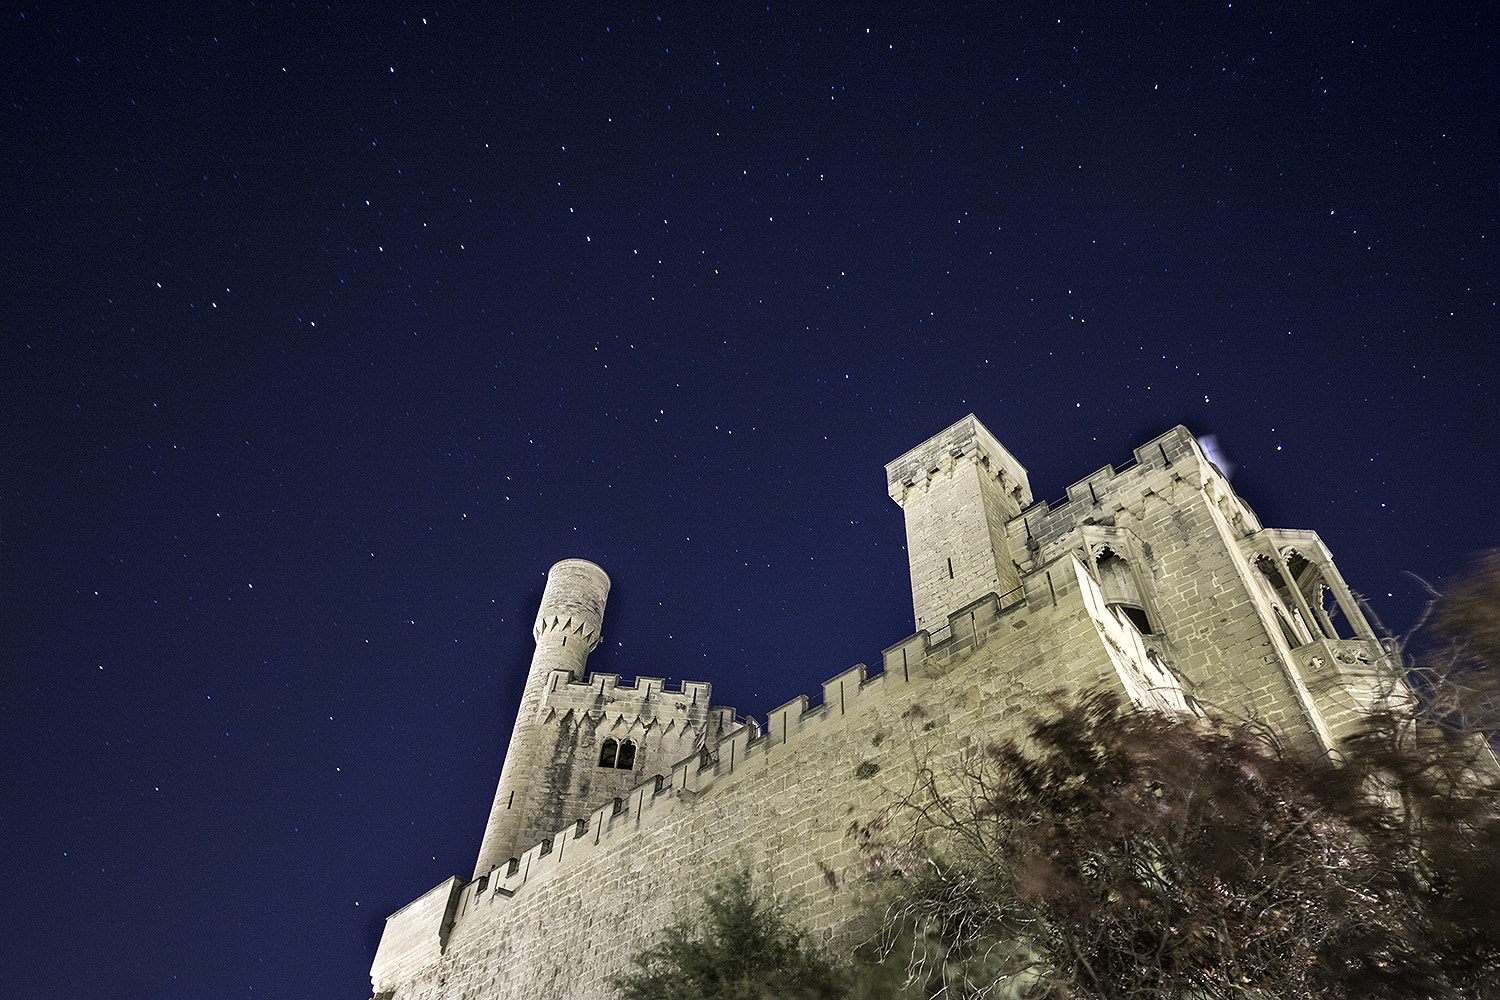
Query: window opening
[607, 753]
[1136, 617]
[1333, 614]
[626, 759]
[1278, 582]
[1117, 583]
[1287, 632]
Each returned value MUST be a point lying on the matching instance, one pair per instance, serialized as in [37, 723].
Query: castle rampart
[1147, 579]
[763, 799]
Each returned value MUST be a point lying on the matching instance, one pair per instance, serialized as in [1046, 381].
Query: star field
[327, 330]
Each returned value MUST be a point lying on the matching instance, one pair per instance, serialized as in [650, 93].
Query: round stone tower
[566, 631]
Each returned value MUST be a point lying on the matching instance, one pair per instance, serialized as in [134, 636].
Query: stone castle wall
[1153, 580]
[660, 725]
[782, 805]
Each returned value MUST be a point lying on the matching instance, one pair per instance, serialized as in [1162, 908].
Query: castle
[619, 803]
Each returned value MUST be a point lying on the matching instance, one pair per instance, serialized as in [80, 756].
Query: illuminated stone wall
[1155, 580]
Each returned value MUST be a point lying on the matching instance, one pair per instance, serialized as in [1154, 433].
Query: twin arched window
[618, 754]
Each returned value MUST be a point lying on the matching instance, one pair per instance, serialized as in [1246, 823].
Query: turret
[566, 631]
[957, 490]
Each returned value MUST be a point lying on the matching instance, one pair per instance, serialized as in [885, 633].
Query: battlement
[620, 801]
[643, 689]
[648, 701]
[967, 438]
[1161, 467]
[1175, 453]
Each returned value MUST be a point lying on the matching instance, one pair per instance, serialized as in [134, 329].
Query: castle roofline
[967, 437]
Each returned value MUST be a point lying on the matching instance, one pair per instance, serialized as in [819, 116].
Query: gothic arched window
[607, 754]
[1287, 632]
[1122, 593]
[626, 759]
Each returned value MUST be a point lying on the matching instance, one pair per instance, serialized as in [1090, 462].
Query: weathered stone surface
[1154, 579]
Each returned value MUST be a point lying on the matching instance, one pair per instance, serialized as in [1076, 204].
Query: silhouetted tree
[1435, 810]
[1123, 853]
[741, 947]
[1457, 669]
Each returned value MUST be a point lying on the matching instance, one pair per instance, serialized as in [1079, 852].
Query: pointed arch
[1287, 632]
[1121, 588]
[626, 759]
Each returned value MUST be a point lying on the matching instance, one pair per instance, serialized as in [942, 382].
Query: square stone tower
[958, 490]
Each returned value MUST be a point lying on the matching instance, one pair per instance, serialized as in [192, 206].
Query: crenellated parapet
[619, 801]
[1163, 470]
[648, 712]
[968, 439]
[646, 696]
[583, 631]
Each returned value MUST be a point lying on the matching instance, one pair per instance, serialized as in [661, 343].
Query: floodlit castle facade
[619, 803]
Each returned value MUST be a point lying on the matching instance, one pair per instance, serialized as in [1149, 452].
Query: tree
[741, 947]
[1122, 853]
[1432, 761]
[1457, 673]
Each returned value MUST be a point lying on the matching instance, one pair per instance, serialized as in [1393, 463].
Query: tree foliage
[741, 947]
[1457, 673]
[1122, 853]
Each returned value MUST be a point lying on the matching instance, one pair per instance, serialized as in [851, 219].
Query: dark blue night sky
[327, 329]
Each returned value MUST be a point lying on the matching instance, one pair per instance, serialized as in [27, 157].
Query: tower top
[957, 490]
[573, 599]
[967, 437]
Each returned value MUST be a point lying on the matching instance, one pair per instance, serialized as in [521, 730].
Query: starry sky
[328, 328]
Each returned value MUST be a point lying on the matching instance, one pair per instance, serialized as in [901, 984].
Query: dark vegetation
[741, 947]
[1119, 853]
[1122, 853]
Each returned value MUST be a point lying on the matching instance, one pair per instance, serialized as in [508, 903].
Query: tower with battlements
[579, 738]
[618, 804]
